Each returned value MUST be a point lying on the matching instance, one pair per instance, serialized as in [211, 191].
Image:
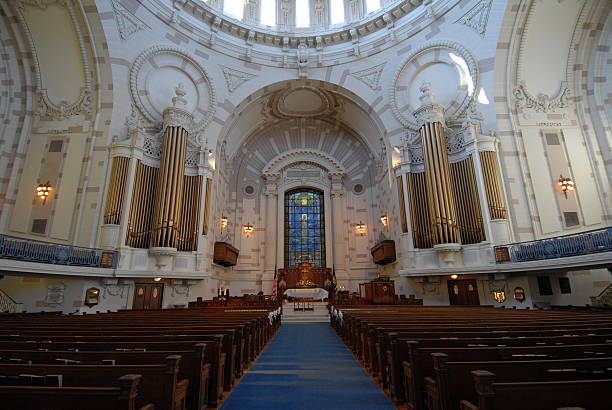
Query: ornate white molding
[543, 103]
[235, 78]
[370, 76]
[177, 117]
[309, 156]
[63, 109]
[477, 17]
[453, 110]
[127, 23]
[184, 59]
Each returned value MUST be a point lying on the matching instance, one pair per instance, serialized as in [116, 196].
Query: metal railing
[584, 243]
[7, 304]
[604, 298]
[44, 252]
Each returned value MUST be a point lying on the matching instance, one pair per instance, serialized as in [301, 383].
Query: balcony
[585, 243]
[44, 252]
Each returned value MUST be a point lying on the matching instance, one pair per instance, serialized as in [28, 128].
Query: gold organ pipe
[492, 177]
[139, 221]
[440, 197]
[207, 202]
[418, 210]
[116, 190]
[168, 199]
[191, 210]
[469, 216]
[402, 203]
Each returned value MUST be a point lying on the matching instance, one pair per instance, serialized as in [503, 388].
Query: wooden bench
[121, 397]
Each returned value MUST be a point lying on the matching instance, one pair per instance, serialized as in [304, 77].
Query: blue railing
[45, 252]
[584, 243]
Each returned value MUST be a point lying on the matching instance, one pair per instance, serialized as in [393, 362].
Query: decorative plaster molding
[477, 17]
[177, 117]
[370, 76]
[459, 105]
[276, 104]
[184, 59]
[127, 23]
[309, 156]
[46, 107]
[235, 78]
[543, 103]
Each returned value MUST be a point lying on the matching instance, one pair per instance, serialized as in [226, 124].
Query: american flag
[275, 285]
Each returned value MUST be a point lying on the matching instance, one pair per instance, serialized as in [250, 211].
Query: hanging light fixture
[43, 191]
[454, 276]
[223, 222]
[361, 228]
[566, 184]
[247, 229]
[385, 221]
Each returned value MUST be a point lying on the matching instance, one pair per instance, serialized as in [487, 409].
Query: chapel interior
[399, 178]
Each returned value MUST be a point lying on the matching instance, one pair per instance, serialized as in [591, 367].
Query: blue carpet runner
[306, 366]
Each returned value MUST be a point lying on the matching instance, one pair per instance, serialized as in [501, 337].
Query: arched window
[304, 228]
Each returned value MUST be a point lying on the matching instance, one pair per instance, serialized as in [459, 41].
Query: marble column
[338, 227]
[271, 221]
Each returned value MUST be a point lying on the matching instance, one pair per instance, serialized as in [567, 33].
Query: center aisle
[306, 366]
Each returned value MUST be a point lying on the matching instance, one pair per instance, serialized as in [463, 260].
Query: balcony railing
[584, 243]
[45, 252]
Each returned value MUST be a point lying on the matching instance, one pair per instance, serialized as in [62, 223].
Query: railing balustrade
[584, 243]
[45, 252]
[7, 304]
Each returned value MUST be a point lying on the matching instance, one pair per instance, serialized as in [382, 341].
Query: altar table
[314, 293]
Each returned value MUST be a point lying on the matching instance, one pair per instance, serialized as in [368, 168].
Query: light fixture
[157, 279]
[396, 149]
[454, 276]
[223, 222]
[566, 184]
[247, 229]
[210, 152]
[361, 228]
[43, 191]
[385, 221]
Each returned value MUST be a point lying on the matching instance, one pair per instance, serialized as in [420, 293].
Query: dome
[299, 16]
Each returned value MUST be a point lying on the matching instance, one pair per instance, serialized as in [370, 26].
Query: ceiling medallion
[302, 102]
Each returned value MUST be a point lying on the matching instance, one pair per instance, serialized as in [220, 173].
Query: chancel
[245, 203]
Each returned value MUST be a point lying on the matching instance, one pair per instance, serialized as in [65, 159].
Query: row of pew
[469, 358]
[182, 359]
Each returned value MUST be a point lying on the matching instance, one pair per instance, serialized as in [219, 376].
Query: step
[305, 318]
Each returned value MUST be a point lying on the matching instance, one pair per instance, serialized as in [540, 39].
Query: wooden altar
[301, 276]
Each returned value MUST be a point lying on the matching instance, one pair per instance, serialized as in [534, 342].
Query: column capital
[271, 183]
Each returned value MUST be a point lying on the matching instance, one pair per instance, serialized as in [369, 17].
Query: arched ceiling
[283, 103]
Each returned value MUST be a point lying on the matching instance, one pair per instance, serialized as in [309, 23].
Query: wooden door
[148, 296]
[463, 292]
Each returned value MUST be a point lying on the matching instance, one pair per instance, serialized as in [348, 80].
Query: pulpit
[378, 291]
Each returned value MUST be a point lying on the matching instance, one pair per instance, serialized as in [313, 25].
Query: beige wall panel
[586, 190]
[543, 182]
[20, 219]
[65, 209]
[57, 49]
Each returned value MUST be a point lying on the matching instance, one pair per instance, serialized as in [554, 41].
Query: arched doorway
[304, 227]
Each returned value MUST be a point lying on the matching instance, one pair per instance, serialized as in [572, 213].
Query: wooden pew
[159, 384]
[589, 394]
[453, 382]
[192, 367]
[121, 397]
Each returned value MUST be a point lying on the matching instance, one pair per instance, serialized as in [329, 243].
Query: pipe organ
[116, 190]
[165, 204]
[443, 197]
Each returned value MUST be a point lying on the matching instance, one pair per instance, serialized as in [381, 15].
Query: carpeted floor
[306, 366]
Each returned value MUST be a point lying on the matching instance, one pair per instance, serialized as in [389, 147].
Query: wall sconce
[223, 222]
[92, 297]
[454, 276]
[247, 229]
[43, 191]
[361, 228]
[499, 296]
[385, 221]
[566, 184]
[157, 279]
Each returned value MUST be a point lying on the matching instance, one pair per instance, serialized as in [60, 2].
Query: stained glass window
[304, 228]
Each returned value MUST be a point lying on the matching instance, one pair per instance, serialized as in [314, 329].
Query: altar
[310, 293]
